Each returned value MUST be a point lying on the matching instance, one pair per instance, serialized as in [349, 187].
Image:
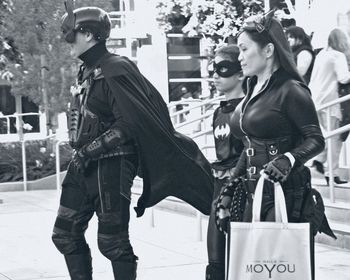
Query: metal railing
[58, 162]
[18, 118]
[24, 158]
[329, 134]
[204, 147]
[205, 131]
[190, 105]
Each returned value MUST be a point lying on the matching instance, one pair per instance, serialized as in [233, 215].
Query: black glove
[80, 161]
[278, 169]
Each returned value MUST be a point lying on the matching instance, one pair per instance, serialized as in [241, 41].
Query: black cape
[172, 164]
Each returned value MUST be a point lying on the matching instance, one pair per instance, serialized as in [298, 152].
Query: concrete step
[338, 211]
[341, 230]
[46, 183]
[338, 215]
[341, 192]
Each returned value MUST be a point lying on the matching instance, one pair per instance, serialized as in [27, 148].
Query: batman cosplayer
[118, 125]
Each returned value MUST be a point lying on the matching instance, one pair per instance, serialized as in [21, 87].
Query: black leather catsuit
[280, 118]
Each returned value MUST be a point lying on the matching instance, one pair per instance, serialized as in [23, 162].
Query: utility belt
[259, 152]
[119, 151]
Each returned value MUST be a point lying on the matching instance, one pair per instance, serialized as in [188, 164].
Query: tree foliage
[35, 27]
[213, 19]
[10, 57]
[40, 161]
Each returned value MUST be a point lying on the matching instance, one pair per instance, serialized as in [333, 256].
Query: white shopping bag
[269, 250]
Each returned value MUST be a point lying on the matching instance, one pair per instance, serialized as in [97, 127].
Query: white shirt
[330, 68]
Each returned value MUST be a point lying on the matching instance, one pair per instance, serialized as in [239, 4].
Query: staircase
[338, 213]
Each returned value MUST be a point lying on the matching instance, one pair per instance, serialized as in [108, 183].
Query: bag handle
[280, 203]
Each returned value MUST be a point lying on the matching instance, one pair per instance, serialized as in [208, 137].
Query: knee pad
[67, 238]
[67, 244]
[116, 247]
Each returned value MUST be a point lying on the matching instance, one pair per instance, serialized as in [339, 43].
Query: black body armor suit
[97, 129]
[115, 110]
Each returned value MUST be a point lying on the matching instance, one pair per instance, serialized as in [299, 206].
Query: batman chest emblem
[222, 131]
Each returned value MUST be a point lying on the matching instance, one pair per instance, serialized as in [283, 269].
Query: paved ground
[170, 250]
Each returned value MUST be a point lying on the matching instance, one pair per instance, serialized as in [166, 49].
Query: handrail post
[58, 163]
[199, 226]
[8, 125]
[24, 165]
[329, 157]
[152, 224]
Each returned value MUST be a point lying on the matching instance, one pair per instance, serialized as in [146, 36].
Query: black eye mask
[227, 68]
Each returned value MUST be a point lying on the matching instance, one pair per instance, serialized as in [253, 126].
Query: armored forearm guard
[104, 143]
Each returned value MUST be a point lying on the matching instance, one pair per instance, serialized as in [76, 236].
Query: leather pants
[106, 191]
[215, 241]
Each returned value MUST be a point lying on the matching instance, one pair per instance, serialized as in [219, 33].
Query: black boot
[319, 166]
[337, 180]
[124, 270]
[79, 266]
[215, 272]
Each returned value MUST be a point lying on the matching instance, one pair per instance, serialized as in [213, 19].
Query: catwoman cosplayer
[276, 121]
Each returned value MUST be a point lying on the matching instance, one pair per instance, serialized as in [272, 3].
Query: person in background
[330, 68]
[228, 81]
[302, 49]
[277, 122]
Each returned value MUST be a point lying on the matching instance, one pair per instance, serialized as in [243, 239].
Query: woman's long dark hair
[269, 30]
[299, 33]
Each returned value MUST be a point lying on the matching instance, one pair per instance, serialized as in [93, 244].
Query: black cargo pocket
[128, 170]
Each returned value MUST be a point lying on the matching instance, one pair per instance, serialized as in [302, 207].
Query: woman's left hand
[278, 169]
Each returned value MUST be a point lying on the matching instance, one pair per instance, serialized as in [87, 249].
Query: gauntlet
[230, 204]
